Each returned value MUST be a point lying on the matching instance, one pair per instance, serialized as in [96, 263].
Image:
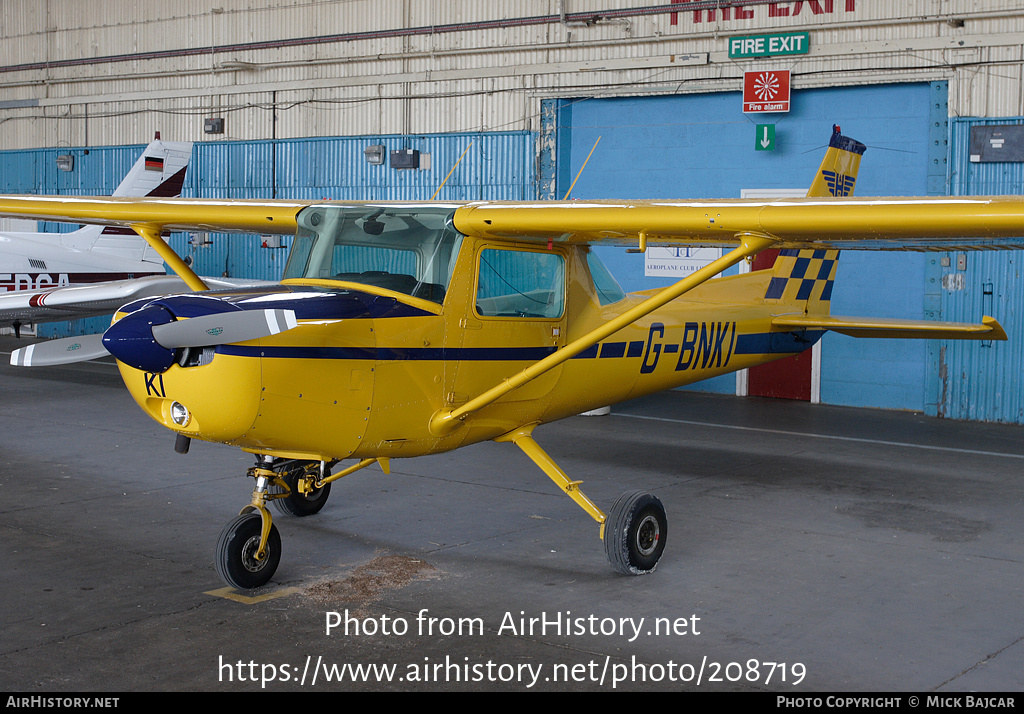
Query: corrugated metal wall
[496, 166]
[78, 72]
[982, 381]
[96, 171]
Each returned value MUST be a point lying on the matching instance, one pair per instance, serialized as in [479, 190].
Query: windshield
[408, 249]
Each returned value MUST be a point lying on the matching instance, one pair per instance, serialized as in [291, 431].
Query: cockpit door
[513, 315]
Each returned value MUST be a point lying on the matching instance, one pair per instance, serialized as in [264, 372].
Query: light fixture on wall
[374, 154]
[66, 162]
[405, 159]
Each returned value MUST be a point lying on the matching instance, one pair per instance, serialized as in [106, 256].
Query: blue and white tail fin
[804, 278]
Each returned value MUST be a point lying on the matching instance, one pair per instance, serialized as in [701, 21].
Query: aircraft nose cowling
[148, 339]
[131, 340]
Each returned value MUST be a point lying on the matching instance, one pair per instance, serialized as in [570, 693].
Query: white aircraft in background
[46, 277]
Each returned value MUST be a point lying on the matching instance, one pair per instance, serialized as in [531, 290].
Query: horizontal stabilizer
[877, 327]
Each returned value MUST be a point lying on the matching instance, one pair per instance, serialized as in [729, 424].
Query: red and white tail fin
[159, 171]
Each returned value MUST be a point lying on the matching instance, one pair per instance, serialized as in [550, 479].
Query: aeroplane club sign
[766, 91]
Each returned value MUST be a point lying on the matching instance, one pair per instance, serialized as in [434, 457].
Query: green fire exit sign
[793, 43]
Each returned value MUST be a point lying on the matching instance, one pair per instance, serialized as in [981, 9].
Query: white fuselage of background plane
[41, 261]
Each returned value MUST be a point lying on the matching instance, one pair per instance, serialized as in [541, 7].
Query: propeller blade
[63, 351]
[224, 328]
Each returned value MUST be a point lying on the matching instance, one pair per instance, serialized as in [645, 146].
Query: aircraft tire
[635, 531]
[236, 547]
[298, 504]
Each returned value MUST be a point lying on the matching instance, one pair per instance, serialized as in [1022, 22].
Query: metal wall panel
[97, 170]
[398, 66]
[982, 381]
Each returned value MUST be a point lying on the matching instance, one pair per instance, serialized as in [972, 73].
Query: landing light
[179, 414]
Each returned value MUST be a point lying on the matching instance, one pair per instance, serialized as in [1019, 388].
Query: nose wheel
[239, 561]
[249, 548]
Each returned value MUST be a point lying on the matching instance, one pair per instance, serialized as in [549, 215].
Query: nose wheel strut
[249, 548]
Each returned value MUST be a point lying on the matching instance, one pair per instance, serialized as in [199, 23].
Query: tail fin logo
[839, 184]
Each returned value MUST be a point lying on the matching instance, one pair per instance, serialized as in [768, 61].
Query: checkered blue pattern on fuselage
[809, 268]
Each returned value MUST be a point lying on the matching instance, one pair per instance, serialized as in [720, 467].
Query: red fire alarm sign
[766, 91]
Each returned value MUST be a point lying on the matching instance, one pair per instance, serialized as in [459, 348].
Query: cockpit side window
[520, 283]
[608, 291]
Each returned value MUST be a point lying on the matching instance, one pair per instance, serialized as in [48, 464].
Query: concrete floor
[810, 549]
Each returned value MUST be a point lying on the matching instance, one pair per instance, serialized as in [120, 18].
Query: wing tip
[998, 333]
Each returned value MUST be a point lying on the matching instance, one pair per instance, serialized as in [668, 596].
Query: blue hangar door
[703, 146]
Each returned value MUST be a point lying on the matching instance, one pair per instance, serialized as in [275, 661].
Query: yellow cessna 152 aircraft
[403, 329]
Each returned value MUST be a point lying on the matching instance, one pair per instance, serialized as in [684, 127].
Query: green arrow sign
[765, 139]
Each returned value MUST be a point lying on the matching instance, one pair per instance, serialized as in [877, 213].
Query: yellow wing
[921, 223]
[164, 214]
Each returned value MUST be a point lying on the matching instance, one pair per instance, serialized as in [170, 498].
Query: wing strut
[151, 234]
[445, 421]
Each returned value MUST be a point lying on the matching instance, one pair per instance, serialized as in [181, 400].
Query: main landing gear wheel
[301, 504]
[634, 533]
[236, 552]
